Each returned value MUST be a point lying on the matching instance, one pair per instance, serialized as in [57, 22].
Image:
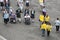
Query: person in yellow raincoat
[41, 2]
[41, 18]
[43, 28]
[48, 28]
[47, 18]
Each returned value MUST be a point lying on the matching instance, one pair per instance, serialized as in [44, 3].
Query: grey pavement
[21, 31]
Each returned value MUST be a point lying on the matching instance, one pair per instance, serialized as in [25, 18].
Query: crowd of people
[13, 16]
[44, 19]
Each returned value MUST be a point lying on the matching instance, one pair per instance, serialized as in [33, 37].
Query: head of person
[44, 11]
[43, 22]
[57, 18]
[47, 15]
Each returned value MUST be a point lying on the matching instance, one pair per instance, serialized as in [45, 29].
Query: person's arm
[59, 23]
[34, 11]
[3, 14]
[50, 27]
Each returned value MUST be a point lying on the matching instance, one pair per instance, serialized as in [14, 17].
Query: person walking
[21, 6]
[44, 11]
[32, 14]
[5, 17]
[26, 11]
[41, 2]
[57, 24]
[41, 18]
[47, 18]
[48, 28]
[18, 13]
[27, 3]
[43, 28]
[1, 4]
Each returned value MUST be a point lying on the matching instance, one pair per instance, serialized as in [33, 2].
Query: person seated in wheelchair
[27, 19]
[13, 18]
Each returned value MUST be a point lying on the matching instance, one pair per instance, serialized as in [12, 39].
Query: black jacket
[18, 13]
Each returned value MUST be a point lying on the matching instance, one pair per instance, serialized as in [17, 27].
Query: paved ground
[31, 32]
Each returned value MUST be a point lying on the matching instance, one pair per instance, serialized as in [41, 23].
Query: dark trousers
[48, 33]
[6, 20]
[43, 32]
[57, 28]
[1, 4]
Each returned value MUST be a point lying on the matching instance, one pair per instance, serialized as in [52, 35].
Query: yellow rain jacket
[41, 18]
[43, 26]
[47, 19]
[40, 1]
[49, 27]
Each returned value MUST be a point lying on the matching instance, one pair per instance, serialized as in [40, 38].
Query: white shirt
[44, 10]
[27, 16]
[1, 0]
[57, 22]
[21, 6]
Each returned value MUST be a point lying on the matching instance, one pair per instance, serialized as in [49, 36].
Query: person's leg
[48, 33]
[43, 32]
[2, 4]
[5, 21]
[19, 19]
[8, 20]
[57, 28]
